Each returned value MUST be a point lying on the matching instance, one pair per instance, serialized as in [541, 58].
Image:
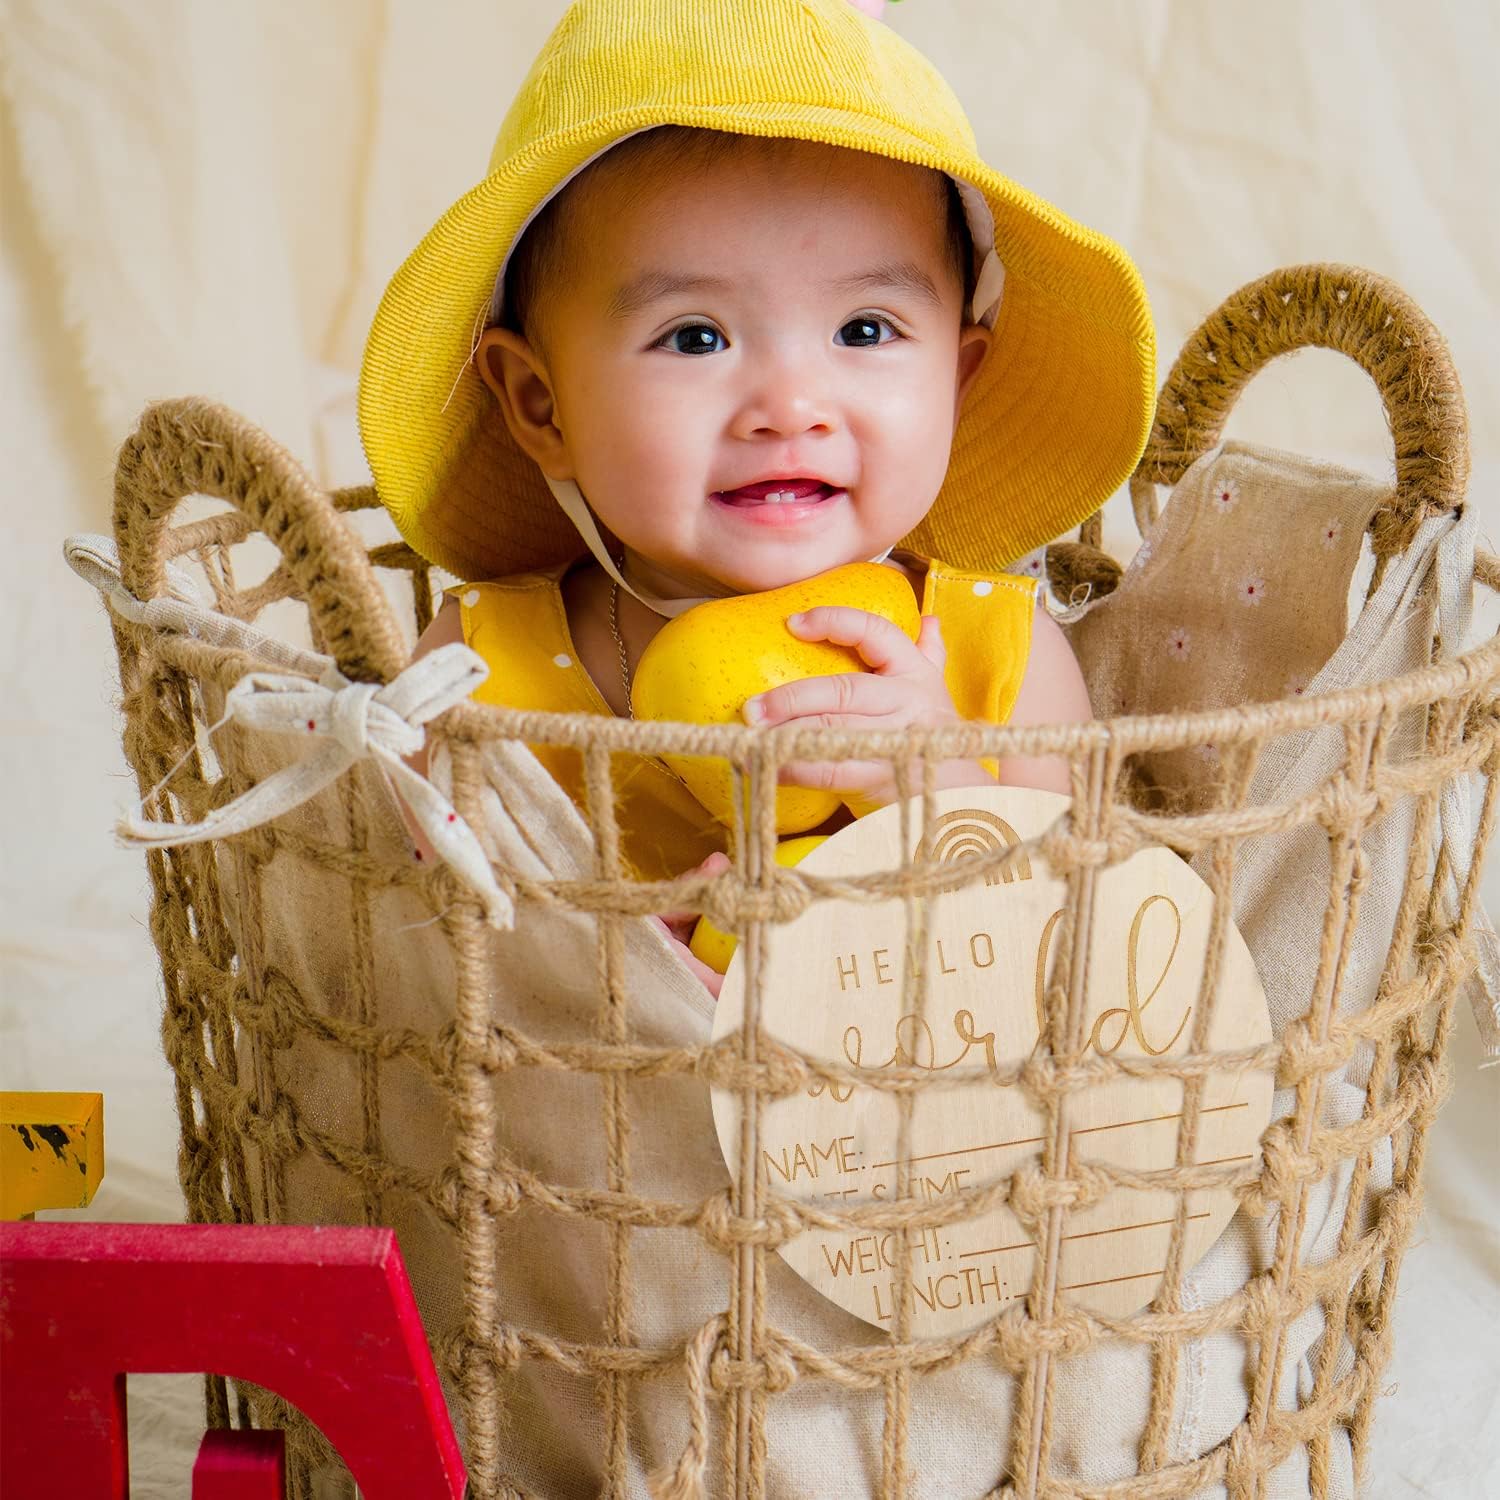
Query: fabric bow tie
[352, 721]
[313, 699]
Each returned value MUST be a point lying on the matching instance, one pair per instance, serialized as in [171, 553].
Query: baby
[715, 361]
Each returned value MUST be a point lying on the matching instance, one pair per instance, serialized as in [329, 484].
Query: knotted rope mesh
[234, 1011]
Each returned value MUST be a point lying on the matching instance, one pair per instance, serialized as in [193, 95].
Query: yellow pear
[715, 946]
[701, 667]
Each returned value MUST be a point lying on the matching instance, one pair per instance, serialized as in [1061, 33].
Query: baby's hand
[678, 926]
[905, 687]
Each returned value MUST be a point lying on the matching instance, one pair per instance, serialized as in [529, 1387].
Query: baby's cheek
[905, 462]
[638, 479]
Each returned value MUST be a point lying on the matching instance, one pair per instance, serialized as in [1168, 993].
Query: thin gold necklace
[614, 630]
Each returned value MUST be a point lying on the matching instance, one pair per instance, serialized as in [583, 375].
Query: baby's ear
[973, 344]
[518, 380]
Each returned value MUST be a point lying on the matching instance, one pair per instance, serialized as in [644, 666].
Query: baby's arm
[1052, 692]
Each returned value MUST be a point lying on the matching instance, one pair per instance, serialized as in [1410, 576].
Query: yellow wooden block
[51, 1151]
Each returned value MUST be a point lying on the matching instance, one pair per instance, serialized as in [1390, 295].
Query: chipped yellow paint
[51, 1151]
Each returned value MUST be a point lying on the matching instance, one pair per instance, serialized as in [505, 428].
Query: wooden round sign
[835, 987]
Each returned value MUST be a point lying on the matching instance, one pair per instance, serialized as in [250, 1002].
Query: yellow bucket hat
[1052, 424]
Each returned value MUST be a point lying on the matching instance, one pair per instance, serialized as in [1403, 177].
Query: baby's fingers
[827, 702]
[930, 642]
[681, 923]
[712, 981]
[883, 645]
[837, 775]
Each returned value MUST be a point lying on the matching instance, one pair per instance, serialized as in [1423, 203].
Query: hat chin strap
[576, 508]
[989, 286]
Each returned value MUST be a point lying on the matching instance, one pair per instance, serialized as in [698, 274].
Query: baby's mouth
[777, 492]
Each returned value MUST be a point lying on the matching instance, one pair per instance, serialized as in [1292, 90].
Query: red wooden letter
[240, 1465]
[324, 1317]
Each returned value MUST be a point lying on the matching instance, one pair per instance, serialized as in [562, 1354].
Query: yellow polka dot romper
[520, 627]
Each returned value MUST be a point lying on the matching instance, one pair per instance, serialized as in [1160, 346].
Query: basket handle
[196, 447]
[1298, 307]
[1337, 307]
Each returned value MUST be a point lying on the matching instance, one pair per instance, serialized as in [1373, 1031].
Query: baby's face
[790, 326]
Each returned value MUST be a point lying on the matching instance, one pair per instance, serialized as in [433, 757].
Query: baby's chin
[781, 573]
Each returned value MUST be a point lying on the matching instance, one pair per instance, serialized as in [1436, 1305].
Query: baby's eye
[690, 338]
[867, 331]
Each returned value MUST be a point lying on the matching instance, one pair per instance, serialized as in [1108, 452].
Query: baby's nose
[787, 403]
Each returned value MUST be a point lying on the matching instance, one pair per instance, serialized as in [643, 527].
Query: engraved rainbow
[973, 831]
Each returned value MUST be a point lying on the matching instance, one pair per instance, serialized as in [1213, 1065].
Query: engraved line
[1083, 1234]
[1032, 1140]
[1078, 1286]
[998, 1249]
[1088, 1234]
[1154, 1119]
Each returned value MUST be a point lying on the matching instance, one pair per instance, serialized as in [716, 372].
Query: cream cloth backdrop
[209, 199]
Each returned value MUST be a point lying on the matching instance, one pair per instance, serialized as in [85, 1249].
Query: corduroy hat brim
[1052, 424]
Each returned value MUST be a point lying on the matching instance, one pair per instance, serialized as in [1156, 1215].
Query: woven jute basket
[298, 1095]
